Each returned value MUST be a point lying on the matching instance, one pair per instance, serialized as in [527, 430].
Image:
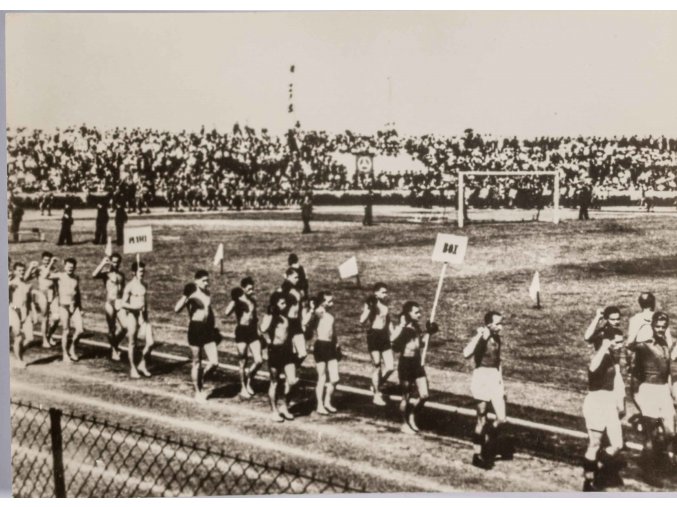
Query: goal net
[508, 195]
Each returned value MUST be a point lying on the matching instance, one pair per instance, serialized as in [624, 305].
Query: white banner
[450, 248]
[348, 268]
[138, 239]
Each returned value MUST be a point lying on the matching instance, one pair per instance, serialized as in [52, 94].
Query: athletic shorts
[324, 351]
[655, 400]
[246, 334]
[295, 327]
[487, 384]
[410, 368]
[378, 340]
[280, 355]
[601, 414]
[200, 333]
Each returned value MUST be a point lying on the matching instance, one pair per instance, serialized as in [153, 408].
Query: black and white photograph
[341, 253]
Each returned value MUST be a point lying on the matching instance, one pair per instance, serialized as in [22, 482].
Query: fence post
[57, 452]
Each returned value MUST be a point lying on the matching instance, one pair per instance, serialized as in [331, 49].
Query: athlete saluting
[108, 271]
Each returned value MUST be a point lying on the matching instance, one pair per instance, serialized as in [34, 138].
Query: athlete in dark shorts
[487, 387]
[202, 333]
[281, 358]
[295, 314]
[325, 351]
[409, 339]
[247, 337]
[375, 314]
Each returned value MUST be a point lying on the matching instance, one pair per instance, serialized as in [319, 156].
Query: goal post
[461, 188]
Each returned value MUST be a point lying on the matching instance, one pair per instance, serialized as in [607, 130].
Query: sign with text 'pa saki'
[138, 239]
[450, 248]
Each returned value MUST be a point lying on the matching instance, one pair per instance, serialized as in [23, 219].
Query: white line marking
[361, 467]
[451, 409]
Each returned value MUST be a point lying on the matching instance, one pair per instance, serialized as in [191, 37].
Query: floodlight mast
[461, 188]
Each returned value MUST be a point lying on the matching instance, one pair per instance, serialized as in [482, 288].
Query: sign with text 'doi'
[138, 240]
[450, 248]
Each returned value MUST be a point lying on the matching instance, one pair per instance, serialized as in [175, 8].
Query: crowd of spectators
[252, 168]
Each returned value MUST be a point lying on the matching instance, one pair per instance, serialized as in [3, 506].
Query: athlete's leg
[255, 350]
[111, 321]
[299, 342]
[242, 365]
[76, 323]
[147, 347]
[64, 317]
[290, 384]
[590, 465]
[272, 393]
[132, 332]
[417, 404]
[196, 369]
[15, 333]
[388, 365]
[376, 374]
[321, 367]
[333, 372]
[404, 405]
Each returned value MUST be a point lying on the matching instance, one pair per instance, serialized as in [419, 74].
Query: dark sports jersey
[602, 379]
[303, 280]
[241, 308]
[488, 353]
[652, 363]
[408, 342]
[374, 311]
[606, 332]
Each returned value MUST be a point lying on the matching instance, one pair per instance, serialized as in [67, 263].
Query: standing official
[66, 236]
[120, 220]
[101, 233]
[307, 212]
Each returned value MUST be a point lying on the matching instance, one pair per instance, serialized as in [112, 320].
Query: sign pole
[434, 310]
[357, 278]
[221, 263]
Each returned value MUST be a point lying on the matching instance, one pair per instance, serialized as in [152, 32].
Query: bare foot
[134, 374]
[115, 355]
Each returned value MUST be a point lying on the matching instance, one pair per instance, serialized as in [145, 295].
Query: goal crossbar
[461, 188]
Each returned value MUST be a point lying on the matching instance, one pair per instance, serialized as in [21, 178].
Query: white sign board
[450, 248]
[138, 240]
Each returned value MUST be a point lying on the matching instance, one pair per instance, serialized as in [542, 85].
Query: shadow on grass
[646, 266]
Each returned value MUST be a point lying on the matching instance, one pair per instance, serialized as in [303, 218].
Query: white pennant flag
[219, 255]
[535, 287]
[109, 248]
[348, 268]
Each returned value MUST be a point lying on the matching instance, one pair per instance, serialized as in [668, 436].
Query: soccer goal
[462, 188]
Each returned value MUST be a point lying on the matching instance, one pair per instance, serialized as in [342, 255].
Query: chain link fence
[59, 454]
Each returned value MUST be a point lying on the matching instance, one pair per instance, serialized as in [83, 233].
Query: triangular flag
[219, 255]
[109, 248]
[348, 268]
[535, 287]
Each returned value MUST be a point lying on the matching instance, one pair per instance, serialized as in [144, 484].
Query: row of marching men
[293, 319]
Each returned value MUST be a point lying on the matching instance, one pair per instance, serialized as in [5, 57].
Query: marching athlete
[108, 271]
[202, 333]
[639, 326]
[45, 299]
[651, 373]
[601, 412]
[281, 360]
[375, 314]
[606, 324]
[290, 289]
[487, 387]
[409, 339]
[70, 308]
[326, 351]
[20, 322]
[134, 314]
[246, 333]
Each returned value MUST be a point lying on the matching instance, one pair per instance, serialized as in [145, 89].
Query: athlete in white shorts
[20, 323]
[651, 372]
[487, 387]
[601, 413]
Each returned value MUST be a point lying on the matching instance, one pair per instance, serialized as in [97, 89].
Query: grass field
[582, 265]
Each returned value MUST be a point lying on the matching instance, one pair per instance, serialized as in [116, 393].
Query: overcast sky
[505, 73]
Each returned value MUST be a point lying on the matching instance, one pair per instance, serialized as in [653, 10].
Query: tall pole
[460, 191]
[556, 205]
